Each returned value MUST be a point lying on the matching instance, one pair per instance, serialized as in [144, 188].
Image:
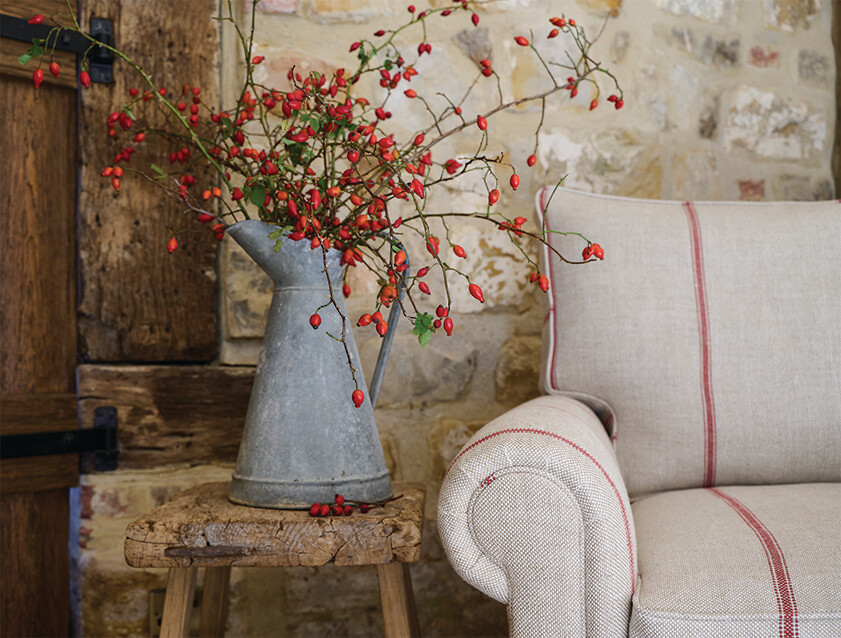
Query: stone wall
[724, 99]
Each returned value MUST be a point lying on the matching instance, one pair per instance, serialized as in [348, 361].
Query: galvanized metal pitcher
[304, 440]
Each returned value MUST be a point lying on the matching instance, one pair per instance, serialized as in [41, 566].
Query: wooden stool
[201, 528]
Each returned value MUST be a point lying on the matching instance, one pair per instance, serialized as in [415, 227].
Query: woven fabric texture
[735, 562]
[546, 465]
[711, 330]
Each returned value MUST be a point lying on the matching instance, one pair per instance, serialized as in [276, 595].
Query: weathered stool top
[201, 528]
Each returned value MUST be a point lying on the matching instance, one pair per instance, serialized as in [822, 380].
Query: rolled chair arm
[534, 513]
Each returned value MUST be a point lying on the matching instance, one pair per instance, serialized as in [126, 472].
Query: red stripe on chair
[704, 331]
[587, 455]
[786, 604]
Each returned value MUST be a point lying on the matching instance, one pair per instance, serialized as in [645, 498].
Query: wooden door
[38, 130]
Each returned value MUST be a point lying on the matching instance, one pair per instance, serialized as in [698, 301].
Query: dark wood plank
[836, 149]
[11, 49]
[38, 336]
[35, 595]
[9, 65]
[169, 414]
[139, 303]
[38, 256]
[25, 413]
[37, 473]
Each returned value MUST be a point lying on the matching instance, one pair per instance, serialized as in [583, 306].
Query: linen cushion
[710, 334]
[734, 562]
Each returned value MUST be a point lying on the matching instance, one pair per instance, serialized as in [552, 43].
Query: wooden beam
[169, 414]
[140, 303]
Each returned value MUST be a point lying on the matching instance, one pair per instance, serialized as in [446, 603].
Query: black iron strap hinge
[101, 440]
[100, 60]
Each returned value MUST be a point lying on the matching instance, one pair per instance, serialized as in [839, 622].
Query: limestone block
[439, 372]
[708, 120]
[814, 67]
[602, 7]
[272, 6]
[517, 370]
[619, 46]
[708, 10]
[476, 44]
[802, 188]
[115, 603]
[764, 57]
[713, 50]
[610, 161]
[773, 127]
[751, 190]
[695, 175]
[247, 293]
[352, 11]
[786, 15]
[445, 439]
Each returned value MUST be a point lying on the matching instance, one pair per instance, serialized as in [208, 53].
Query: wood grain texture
[214, 602]
[38, 255]
[139, 303]
[37, 336]
[202, 518]
[398, 601]
[36, 473]
[169, 414]
[35, 567]
[180, 590]
[25, 413]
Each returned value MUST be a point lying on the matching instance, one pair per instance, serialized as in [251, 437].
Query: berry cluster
[343, 507]
[322, 162]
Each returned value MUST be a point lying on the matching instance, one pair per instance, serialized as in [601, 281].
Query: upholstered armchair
[681, 474]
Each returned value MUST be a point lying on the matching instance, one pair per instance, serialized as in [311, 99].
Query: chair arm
[534, 513]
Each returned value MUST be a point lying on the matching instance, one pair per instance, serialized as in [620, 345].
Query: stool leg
[399, 616]
[178, 603]
[214, 604]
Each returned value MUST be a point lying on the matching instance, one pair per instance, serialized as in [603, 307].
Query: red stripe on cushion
[704, 330]
[587, 455]
[786, 604]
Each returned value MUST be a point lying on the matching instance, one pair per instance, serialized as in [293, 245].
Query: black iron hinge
[101, 441]
[100, 60]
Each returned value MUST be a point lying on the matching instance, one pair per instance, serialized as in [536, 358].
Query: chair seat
[738, 561]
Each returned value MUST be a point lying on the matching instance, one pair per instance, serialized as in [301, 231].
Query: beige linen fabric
[713, 331]
[747, 561]
[534, 513]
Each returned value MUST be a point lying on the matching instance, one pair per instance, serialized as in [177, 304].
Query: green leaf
[157, 171]
[276, 233]
[23, 59]
[130, 113]
[36, 50]
[423, 328]
[388, 64]
[278, 244]
[258, 196]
